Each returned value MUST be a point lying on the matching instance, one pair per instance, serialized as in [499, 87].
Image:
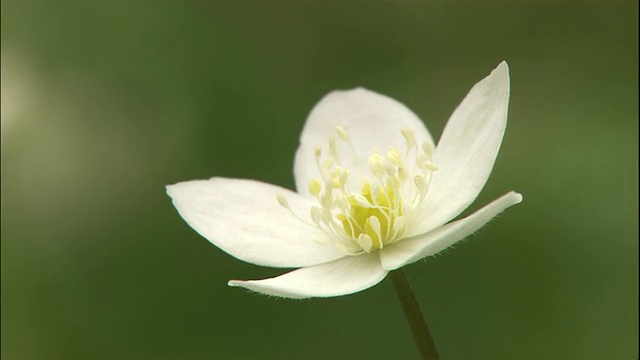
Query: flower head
[374, 193]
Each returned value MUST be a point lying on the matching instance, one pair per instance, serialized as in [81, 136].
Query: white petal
[341, 277]
[467, 149]
[371, 120]
[244, 218]
[413, 249]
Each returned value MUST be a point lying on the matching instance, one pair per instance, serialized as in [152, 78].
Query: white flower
[374, 193]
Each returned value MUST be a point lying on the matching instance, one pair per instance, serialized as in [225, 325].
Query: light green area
[105, 102]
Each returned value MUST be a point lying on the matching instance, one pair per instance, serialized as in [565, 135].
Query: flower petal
[371, 120]
[243, 218]
[467, 149]
[341, 277]
[413, 249]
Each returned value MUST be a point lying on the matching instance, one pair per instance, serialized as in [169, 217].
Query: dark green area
[105, 102]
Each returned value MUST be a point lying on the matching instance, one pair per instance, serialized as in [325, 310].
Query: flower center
[382, 206]
[372, 218]
[376, 209]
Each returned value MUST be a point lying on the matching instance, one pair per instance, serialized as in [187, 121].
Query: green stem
[412, 312]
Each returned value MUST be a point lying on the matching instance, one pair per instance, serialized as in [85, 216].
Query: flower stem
[412, 312]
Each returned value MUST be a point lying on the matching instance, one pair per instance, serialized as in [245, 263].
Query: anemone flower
[374, 193]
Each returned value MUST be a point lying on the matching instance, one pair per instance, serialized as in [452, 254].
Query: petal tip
[500, 72]
[173, 189]
[520, 198]
[356, 91]
[169, 189]
[517, 197]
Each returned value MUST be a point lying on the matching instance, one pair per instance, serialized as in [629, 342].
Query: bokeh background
[106, 102]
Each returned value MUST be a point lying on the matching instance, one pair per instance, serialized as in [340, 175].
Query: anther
[282, 201]
[394, 156]
[359, 200]
[320, 240]
[376, 163]
[402, 173]
[316, 215]
[365, 242]
[342, 134]
[427, 148]
[314, 187]
[374, 224]
[409, 137]
[418, 180]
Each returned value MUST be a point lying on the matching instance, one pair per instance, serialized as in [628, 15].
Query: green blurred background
[105, 102]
